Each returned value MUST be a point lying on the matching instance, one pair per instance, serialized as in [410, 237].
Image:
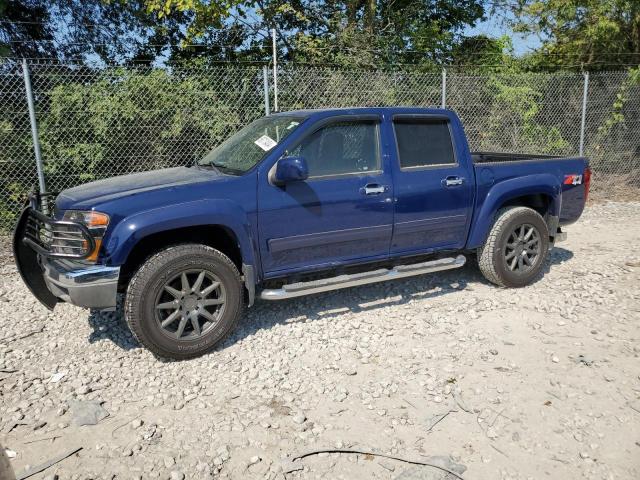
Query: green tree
[24, 29]
[348, 32]
[514, 116]
[115, 31]
[595, 34]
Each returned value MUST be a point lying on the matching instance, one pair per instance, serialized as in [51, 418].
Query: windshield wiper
[224, 169]
[205, 166]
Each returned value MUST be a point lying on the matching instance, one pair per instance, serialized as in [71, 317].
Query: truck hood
[101, 191]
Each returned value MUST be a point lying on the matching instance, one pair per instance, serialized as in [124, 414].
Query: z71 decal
[572, 179]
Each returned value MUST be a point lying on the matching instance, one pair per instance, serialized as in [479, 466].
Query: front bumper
[90, 286]
[52, 279]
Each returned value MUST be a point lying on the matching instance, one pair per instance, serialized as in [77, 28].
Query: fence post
[265, 83]
[444, 88]
[34, 131]
[584, 112]
[275, 71]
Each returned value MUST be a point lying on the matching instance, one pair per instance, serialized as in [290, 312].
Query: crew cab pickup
[296, 203]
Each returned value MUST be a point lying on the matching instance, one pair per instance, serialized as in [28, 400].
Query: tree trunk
[370, 15]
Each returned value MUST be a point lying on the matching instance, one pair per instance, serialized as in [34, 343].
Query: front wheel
[184, 300]
[516, 248]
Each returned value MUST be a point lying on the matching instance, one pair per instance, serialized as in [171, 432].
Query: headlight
[90, 219]
[97, 224]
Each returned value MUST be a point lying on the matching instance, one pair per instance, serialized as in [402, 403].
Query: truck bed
[499, 157]
[520, 171]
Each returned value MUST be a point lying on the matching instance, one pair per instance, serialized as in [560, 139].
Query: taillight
[586, 178]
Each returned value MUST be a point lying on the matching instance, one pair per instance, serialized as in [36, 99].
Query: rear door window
[423, 142]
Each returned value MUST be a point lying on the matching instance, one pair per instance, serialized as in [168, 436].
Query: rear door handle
[452, 181]
[373, 189]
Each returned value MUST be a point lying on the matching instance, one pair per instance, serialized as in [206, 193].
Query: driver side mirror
[290, 169]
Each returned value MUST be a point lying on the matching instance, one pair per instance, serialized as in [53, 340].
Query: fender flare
[225, 213]
[499, 194]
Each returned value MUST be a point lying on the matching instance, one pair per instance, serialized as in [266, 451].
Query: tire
[496, 256]
[157, 292]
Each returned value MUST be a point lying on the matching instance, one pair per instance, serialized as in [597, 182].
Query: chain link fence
[100, 122]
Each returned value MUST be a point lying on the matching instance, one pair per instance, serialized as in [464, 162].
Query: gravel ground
[532, 383]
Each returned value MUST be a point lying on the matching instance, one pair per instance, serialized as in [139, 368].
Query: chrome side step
[344, 281]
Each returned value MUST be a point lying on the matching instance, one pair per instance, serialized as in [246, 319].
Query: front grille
[57, 238]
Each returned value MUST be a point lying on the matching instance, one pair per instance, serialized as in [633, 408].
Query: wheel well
[215, 236]
[538, 202]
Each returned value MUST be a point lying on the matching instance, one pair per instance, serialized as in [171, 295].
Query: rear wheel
[184, 300]
[516, 248]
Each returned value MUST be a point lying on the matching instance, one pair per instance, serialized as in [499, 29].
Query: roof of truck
[360, 110]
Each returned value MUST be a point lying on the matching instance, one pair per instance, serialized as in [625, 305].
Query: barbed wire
[262, 24]
[424, 68]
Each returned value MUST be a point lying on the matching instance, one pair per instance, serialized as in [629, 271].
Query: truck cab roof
[325, 112]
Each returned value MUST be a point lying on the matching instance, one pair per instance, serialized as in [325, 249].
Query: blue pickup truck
[296, 203]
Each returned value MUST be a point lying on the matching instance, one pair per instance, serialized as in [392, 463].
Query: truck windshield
[240, 152]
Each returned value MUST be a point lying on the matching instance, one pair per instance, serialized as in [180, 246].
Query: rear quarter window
[423, 142]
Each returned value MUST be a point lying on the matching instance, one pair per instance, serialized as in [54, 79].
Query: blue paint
[290, 169]
[323, 222]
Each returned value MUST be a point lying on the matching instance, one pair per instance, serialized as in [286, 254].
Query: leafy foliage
[616, 116]
[594, 34]
[515, 116]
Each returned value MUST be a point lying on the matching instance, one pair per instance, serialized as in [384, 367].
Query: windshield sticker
[266, 143]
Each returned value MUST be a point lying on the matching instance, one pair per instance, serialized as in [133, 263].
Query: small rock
[555, 359]
[83, 390]
[584, 360]
[299, 418]
[351, 371]
[39, 425]
[137, 423]
[340, 396]
[10, 453]
[87, 413]
[176, 475]
[56, 377]
[223, 453]
[253, 460]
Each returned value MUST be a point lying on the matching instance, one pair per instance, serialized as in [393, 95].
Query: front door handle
[373, 189]
[452, 181]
